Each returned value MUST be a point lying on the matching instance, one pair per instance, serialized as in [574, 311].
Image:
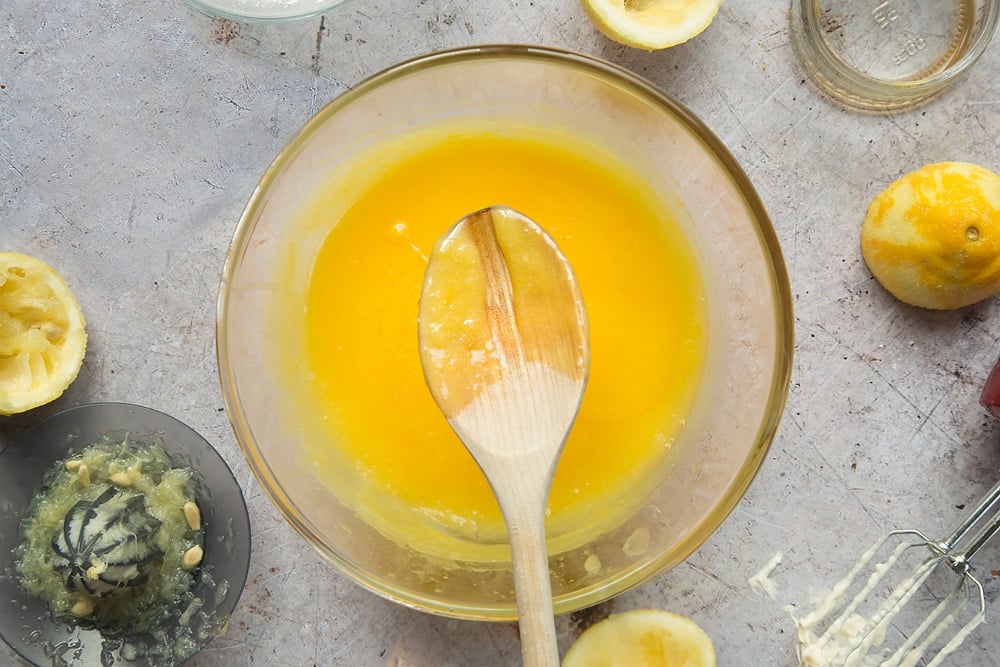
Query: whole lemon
[932, 238]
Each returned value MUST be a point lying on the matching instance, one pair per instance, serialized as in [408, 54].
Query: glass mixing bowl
[749, 319]
[26, 624]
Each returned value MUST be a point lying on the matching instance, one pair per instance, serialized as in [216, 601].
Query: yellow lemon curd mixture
[378, 440]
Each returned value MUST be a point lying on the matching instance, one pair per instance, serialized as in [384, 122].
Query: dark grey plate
[25, 624]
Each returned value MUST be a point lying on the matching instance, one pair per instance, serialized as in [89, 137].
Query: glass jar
[890, 54]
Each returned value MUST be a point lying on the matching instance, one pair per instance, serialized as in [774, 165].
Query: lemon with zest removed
[642, 638]
[651, 24]
[42, 334]
[932, 238]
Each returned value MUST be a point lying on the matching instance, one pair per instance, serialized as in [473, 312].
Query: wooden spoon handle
[530, 563]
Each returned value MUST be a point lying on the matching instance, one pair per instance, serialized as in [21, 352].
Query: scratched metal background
[133, 131]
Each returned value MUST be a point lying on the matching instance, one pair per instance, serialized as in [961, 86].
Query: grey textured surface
[132, 134]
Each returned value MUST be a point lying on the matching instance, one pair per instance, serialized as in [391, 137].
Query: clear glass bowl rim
[207, 7]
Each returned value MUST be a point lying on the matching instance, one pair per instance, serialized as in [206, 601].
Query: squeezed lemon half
[43, 334]
[642, 638]
[932, 238]
[651, 24]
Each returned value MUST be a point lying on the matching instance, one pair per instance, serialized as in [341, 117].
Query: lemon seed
[121, 479]
[192, 557]
[83, 607]
[193, 515]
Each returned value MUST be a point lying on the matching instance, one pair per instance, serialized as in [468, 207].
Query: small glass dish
[264, 11]
[25, 622]
[883, 55]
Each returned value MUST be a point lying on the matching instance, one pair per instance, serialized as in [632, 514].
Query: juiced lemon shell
[642, 638]
[43, 334]
[932, 238]
[651, 24]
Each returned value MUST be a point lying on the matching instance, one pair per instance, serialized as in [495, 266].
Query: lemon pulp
[42, 334]
[152, 607]
[651, 24]
[372, 431]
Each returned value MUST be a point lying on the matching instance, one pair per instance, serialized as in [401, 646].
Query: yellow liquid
[407, 472]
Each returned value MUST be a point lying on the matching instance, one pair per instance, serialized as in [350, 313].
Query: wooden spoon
[503, 343]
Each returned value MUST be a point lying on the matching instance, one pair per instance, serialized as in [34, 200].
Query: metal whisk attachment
[843, 631]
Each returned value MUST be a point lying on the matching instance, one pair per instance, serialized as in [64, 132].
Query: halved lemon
[43, 334]
[651, 24]
[642, 638]
[932, 237]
